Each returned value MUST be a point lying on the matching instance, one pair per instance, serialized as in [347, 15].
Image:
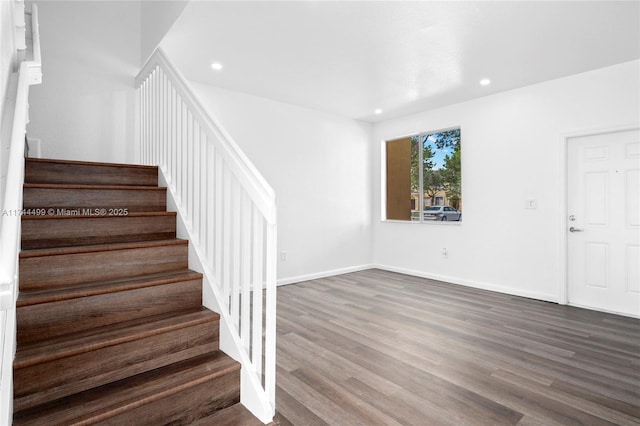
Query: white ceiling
[352, 57]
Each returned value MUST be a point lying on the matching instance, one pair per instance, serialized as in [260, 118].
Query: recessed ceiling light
[377, 111]
[485, 82]
[216, 66]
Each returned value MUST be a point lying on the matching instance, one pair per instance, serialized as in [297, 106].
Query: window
[424, 170]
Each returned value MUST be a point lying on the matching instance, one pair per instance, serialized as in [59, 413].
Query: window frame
[420, 199]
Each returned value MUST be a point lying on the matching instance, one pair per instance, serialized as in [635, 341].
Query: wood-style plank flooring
[380, 348]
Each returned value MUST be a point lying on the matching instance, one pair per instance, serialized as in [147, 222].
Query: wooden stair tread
[101, 403]
[235, 415]
[86, 172]
[57, 267]
[72, 196]
[44, 313]
[93, 339]
[55, 251]
[90, 186]
[34, 297]
[82, 216]
[90, 163]
[97, 227]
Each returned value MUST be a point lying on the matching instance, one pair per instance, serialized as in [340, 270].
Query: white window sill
[430, 222]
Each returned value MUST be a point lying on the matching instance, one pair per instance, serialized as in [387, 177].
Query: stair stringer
[252, 394]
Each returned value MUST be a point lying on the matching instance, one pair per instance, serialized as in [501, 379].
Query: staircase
[110, 323]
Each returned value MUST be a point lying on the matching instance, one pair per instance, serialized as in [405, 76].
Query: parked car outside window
[443, 213]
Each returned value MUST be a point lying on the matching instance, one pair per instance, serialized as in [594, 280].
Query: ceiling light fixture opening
[217, 66]
[485, 82]
[377, 111]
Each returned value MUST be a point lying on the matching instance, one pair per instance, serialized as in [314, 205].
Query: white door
[603, 223]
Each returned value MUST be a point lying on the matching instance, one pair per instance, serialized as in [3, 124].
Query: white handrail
[229, 215]
[29, 73]
[12, 206]
[10, 243]
[250, 176]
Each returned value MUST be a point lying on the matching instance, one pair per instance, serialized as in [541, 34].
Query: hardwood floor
[380, 348]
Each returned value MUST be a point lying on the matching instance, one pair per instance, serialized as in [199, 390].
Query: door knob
[572, 229]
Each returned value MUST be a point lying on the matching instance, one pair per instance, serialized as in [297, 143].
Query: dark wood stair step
[178, 394]
[65, 365]
[235, 415]
[49, 268]
[43, 314]
[39, 170]
[70, 199]
[98, 228]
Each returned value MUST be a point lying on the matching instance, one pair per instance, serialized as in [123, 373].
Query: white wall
[8, 53]
[319, 166]
[84, 109]
[156, 19]
[511, 152]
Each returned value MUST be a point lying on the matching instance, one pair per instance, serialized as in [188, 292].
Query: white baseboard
[445, 278]
[324, 274]
[475, 284]
[591, 308]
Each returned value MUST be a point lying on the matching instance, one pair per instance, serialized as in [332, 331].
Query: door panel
[633, 198]
[633, 269]
[596, 264]
[603, 241]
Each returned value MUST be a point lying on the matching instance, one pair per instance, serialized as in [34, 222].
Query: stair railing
[229, 215]
[28, 73]
[10, 245]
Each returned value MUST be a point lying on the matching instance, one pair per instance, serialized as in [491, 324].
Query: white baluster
[218, 235]
[172, 135]
[245, 276]
[195, 171]
[270, 313]
[256, 332]
[211, 160]
[226, 232]
[177, 179]
[236, 242]
[185, 158]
